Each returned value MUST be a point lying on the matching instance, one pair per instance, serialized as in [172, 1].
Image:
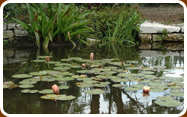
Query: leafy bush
[116, 24]
[50, 21]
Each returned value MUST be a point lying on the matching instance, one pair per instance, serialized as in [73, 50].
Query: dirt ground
[164, 14]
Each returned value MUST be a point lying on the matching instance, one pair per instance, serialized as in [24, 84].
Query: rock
[145, 37]
[148, 27]
[182, 29]
[8, 34]
[4, 26]
[20, 32]
[19, 27]
[157, 38]
[11, 26]
[175, 37]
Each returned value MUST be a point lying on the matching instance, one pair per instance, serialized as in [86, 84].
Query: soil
[163, 14]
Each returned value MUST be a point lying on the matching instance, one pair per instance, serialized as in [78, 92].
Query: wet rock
[148, 27]
[145, 37]
[20, 32]
[8, 34]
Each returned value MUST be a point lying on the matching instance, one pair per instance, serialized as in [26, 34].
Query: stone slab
[149, 27]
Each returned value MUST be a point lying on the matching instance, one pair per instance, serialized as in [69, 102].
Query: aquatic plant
[48, 22]
[55, 89]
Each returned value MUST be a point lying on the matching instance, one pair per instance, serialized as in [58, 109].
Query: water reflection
[115, 100]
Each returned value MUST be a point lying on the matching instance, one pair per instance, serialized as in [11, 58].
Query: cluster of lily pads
[98, 74]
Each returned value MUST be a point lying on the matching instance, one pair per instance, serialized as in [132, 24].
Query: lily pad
[39, 61]
[58, 97]
[180, 94]
[169, 103]
[119, 80]
[65, 60]
[54, 62]
[85, 85]
[150, 76]
[61, 68]
[46, 91]
[29, 91]
[65, 79]
[160, 67]
[157, 89]
[125, 74]
[43, 57]
[75, 66]
[40, 73]
[119, 85]
[132, 68]
[94, 91]
[100, 85]
[65, 97]
[132, 88]
[22, 76]
[166, 98]
[26, 86]
[148, 72]
[132, 62]
[28, 82]
[48, 79]
[63, 87]
[62, 65]
[5, 86]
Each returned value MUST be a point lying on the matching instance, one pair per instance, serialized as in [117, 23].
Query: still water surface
[114, 100]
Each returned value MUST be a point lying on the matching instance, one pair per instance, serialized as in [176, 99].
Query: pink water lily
[55, 89]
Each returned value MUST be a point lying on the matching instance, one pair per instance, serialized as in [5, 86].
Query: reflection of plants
[48, 21]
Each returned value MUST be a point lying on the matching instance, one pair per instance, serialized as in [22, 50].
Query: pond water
[141, 67]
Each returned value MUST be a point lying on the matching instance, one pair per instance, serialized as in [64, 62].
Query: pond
[105, 86]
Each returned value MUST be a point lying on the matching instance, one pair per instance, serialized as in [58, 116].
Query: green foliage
[50, 21]
[116, 24]
[163, 34]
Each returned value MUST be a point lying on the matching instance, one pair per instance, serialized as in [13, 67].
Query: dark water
[114, 100]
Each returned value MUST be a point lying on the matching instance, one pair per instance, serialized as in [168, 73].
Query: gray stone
[148, 27]
[8, 34]
[11, 26]
[145, 37]
[182, 29]
[19, 27]
[4, 26]
[20, 32]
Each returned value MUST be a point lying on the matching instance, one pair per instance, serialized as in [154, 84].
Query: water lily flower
[91, 56]
[47, 59]
[55, 89]
[146, 89]
[84, 65]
